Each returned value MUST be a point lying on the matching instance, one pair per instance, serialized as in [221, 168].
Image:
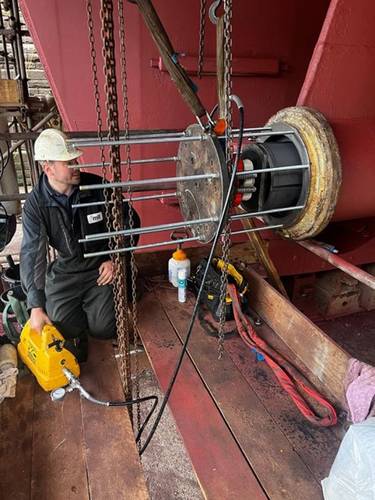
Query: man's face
[61, 173]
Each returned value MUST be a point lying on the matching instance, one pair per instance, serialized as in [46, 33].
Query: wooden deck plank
[316, 446]
[326, 361]
[16, 429]
[58, 466]
[222, 470]
[247, 414]
[112, 461]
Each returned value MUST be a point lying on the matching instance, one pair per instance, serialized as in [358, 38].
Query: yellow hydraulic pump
[44, 354]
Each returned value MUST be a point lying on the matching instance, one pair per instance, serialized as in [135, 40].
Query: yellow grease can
[45, 356]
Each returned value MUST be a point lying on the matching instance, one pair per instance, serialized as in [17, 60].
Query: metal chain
[119, 283]
[226, 237]
[202, 32]
[94, 69]
[133, 266]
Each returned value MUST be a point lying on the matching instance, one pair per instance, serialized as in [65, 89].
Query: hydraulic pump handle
[176, 72]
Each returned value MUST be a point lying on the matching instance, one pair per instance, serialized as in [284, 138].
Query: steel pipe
[148, 182]
[339, 263]
[132, 162]
[140, 247]
[146, 230]
[135, 198]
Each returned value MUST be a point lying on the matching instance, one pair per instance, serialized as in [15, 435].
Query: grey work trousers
[77, 306]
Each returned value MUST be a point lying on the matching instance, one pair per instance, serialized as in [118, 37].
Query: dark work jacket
[47, 222]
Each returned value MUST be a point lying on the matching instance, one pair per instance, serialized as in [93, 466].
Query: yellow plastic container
[45, 356]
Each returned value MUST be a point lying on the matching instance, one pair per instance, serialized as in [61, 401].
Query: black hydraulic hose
[137, 401]
[222, 220]
[74, 383]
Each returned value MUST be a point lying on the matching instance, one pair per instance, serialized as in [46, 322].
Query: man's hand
[105, 273]
[38, 318]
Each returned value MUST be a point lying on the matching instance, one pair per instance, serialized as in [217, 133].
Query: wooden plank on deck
[58, 467]
[324, 359]
[16, 432]
[222, 469]
[277, 464]
[112, 461]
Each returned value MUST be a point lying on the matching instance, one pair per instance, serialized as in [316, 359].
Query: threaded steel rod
[256, 229]
[172, 242]
[151, 135]
[132, 162]
[120, 142]
[134, 198]
[140, 247]
[148, 182]
[249, 173]
[177, 225]
[185, 178]
[146, 230]
[248, 215]
[172, 138]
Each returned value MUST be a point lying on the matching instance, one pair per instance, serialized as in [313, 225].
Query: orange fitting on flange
[220, 126]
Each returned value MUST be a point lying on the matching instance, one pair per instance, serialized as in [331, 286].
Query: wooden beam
[263, 255]
[169, 56]
[10, 94]
[325, 361]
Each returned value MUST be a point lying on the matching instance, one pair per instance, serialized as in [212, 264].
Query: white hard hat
[51, 145]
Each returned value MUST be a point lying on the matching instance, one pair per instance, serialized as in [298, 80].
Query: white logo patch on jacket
[93, 218]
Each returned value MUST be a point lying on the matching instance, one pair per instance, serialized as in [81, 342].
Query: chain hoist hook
[212, 11]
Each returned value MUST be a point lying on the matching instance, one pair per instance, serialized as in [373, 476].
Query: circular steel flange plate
[202, 198]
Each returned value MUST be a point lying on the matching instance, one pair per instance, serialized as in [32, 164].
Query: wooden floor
[71, 449]
[245, 438]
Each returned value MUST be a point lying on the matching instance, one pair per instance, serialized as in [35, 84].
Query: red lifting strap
[288, 376]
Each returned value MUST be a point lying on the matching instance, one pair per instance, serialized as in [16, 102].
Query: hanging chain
[226, 237]
[133, 266]
[99, 121]
[94, 69]
[202, 32]
[119, 267]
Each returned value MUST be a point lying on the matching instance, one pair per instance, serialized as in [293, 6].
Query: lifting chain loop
[133, 266]
[119, 282]
[202, 32]
[226, 237]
